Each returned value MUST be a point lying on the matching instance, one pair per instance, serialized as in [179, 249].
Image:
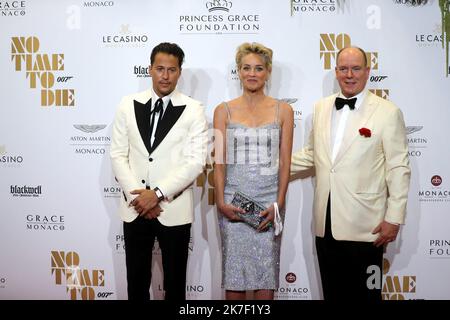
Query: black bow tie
[340, 103]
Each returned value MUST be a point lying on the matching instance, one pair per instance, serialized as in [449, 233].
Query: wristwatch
[159, 194]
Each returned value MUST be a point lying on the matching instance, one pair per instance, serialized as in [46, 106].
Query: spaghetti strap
[277, 112]
[228, 110]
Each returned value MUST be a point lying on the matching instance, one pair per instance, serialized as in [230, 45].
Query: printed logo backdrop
[66, 64]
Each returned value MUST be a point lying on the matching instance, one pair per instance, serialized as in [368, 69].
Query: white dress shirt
[339, 119]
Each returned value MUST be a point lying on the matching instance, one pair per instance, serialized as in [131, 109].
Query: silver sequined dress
[250, 259]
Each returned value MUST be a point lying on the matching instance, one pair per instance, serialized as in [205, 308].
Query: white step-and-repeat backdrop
[66, 64]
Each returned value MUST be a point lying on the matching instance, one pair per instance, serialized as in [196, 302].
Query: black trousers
[139, 236]
[343, 266]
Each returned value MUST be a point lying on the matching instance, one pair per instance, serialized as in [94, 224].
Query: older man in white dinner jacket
[359, 150]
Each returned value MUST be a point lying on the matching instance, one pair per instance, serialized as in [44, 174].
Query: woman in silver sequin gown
[253, 144]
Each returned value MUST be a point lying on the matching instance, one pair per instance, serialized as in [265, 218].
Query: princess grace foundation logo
[439, 248]
[219, 17]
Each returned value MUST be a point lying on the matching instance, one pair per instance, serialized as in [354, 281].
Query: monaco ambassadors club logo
[436, 181]
[291, 290]
[437, 193]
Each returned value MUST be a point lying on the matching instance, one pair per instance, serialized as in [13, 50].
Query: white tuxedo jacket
[172, 163]
[369, 179]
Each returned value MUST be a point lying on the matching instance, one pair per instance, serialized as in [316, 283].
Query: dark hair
[357, 48]
[169, 48]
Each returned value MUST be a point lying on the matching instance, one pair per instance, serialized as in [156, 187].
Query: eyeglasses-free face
[253, 72]
[165, 73]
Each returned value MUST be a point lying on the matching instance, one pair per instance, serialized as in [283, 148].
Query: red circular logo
[436, 180]
[290, 277]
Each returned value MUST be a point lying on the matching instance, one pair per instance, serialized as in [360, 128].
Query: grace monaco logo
[314, 6]
[45, 223]
[96, 4]
[12, 8]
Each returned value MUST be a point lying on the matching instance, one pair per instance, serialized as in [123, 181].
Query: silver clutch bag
[251, 207]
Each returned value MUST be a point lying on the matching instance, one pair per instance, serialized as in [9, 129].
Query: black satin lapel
[142, 113]
[170, 117]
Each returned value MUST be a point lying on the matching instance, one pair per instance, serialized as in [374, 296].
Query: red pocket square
[365, 132]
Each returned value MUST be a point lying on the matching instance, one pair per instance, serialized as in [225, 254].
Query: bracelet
[277, 220]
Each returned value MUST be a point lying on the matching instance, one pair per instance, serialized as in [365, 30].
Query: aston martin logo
[89, 128]
[412, 129]
[289, 100]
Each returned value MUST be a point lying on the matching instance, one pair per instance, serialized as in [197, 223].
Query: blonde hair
[256, 48]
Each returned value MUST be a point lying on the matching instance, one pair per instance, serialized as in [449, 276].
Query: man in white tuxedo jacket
[158, 149]
[358, 148]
